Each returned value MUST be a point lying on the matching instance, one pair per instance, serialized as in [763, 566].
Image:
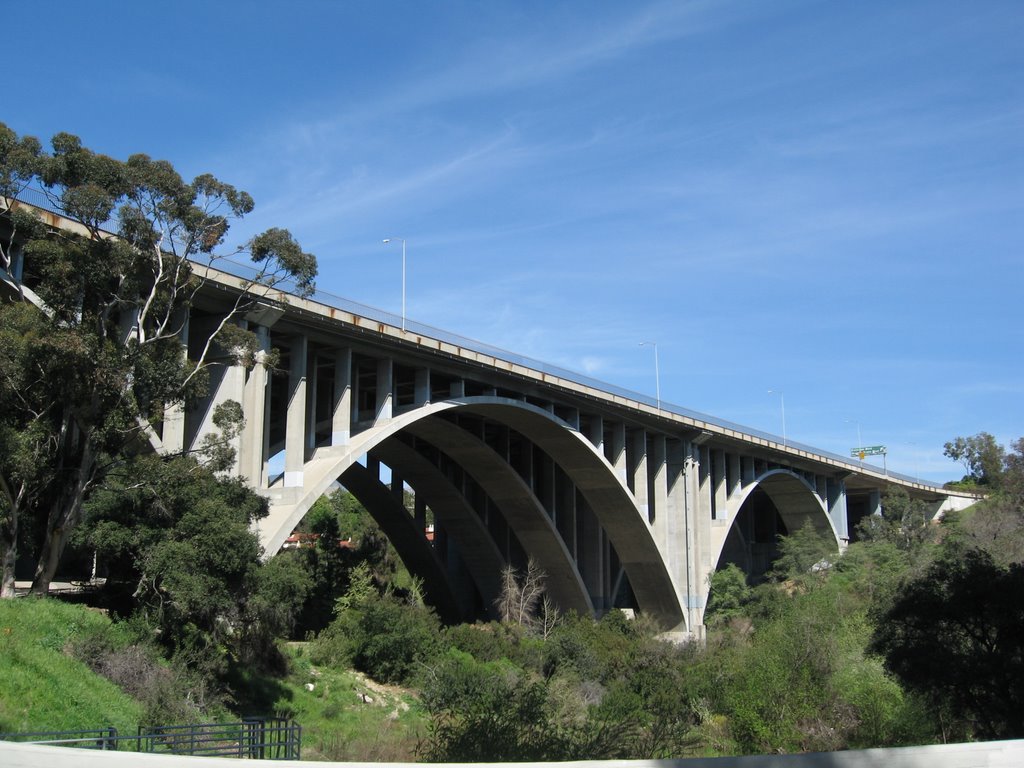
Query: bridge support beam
[385, 391]
[295, 429]
[837, 509]
[341, 401]
[253, 456]
[173, 433]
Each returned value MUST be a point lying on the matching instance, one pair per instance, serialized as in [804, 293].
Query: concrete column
[641, 487]
[837, 508]
[736, 482]
[420, 513]
[591, 556]
[422, 395]
[719, 491]
[341, 420]
[312, 385]
[295, 428]
[173, 433]
[397, 486]
[254, 435]
[373, 467]
[547, 493]
[875, 502]
[821, 488]
[128, 325]
[565, 510]
[702, 454]
[670, 527]
[17, 267]
[658, 499]
[698, 541]
[458, 388]
[618, 450]
[595, 434]
[385, 390]
[572, 418]
[746, 470]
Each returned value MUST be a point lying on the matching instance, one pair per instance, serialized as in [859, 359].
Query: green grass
[41, 687]
[345, 718]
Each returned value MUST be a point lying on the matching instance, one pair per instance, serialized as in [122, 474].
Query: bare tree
[521, 593]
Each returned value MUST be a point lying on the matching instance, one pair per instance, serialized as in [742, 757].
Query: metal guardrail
[89, 738]
[254, 739]
[38, 198]
[271, 739]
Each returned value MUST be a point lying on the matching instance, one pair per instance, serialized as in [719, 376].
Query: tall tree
[954, 636]
[112, 286]
[981, 456]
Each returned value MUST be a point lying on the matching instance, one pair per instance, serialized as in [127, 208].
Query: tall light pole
[657, 372]
[386, 241]
[782, 401]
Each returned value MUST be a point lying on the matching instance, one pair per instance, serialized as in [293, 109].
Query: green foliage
[384, 637]
[904, 522]
[496, 641]
[729, 593]
[103, 360]
[181, 537]
[344, 716]
[954, 636]
[981, 456]
[42, 687]
[490, 712]
[805, 555]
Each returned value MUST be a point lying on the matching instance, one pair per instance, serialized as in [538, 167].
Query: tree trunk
[63, 516]
[8, 554]
[9, 539]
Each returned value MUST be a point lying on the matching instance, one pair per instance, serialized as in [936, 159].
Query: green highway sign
[868, 450]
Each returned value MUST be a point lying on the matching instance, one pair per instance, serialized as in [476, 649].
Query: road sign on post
[868, 450]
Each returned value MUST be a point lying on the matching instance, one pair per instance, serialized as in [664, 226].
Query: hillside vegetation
[42, 686]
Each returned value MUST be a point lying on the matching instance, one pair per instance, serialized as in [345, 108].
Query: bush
[385, 638]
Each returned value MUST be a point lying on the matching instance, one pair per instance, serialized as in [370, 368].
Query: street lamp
[657, 373]
[782, 401]
[386, 241]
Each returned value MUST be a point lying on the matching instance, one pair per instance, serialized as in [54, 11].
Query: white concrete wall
[994, 754]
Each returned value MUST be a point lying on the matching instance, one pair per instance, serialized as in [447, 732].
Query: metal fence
[254, 738]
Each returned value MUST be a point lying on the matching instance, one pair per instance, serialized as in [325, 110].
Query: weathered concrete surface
[993, 754]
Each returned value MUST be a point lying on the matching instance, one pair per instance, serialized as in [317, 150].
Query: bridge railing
[254, 738]
[248, 272]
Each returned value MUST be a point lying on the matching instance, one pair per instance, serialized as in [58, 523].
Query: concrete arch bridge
[622, 501]
[625, 502]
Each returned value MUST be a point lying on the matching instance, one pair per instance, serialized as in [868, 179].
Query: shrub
[385, 638]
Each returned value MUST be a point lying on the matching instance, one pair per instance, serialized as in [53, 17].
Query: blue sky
[820, 198]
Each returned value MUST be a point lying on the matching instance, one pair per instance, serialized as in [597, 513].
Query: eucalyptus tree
[102, 356]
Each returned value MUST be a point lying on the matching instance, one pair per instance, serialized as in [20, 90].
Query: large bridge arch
[794, 500]
[603, 489]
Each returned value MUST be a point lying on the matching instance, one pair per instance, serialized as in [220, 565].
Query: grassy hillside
[344, 715]
[42, 687]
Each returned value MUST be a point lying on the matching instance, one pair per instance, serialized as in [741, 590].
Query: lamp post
[782, 402]
[657, 372]
[386, 241]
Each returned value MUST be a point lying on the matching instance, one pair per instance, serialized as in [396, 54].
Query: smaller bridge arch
[750, 539]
